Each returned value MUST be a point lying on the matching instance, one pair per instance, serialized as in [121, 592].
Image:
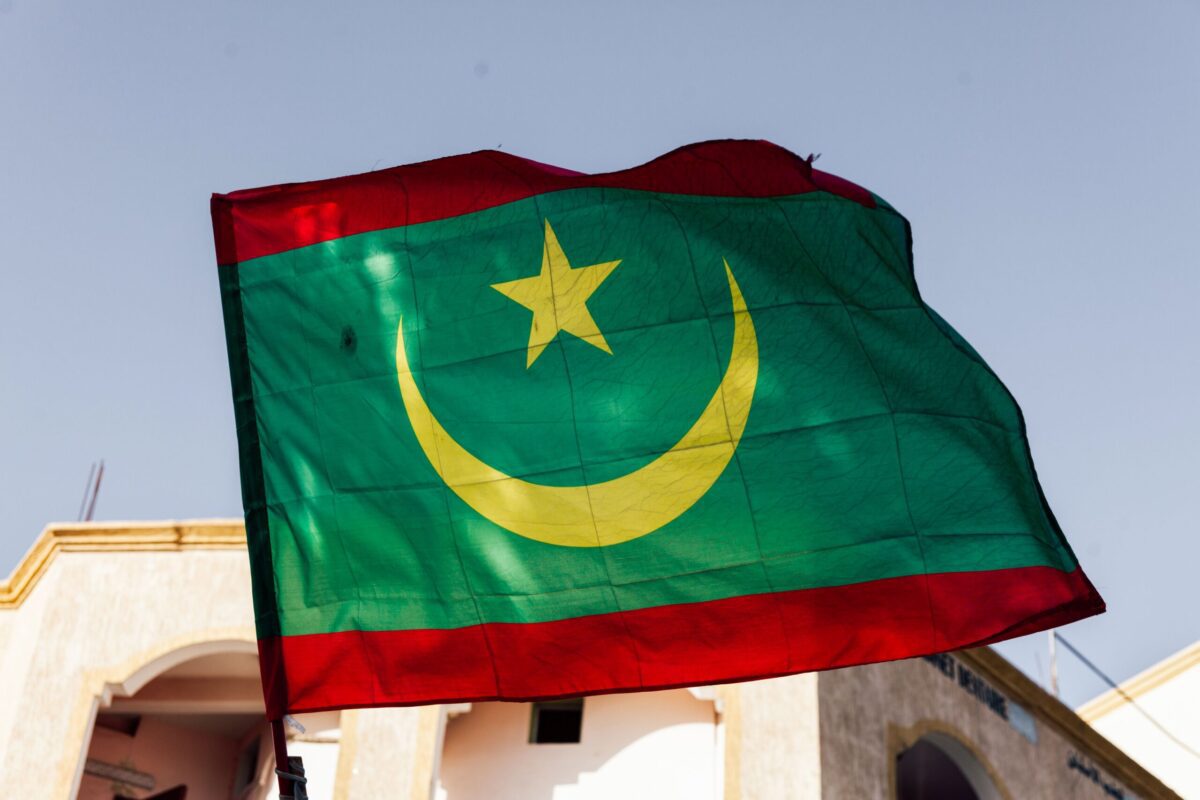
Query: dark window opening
[557, 722]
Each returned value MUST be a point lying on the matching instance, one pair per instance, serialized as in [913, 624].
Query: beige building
[1168, 692]
[128, 664]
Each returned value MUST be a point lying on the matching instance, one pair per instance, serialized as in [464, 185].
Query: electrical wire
[1088, 663]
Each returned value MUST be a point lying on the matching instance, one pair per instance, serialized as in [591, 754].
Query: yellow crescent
[613, 511]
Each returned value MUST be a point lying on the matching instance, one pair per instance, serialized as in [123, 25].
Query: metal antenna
[95, 492]
[87, 489]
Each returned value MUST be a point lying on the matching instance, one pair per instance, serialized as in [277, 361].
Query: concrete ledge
[215, 534]
[1143, 682]
[1068, 724]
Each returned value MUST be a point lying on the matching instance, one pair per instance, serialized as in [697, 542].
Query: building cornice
[215, 534]
[1143, 682]
[1070, 725]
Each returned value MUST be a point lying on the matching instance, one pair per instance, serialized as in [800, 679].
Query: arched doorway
[190, 725]
[940, 767]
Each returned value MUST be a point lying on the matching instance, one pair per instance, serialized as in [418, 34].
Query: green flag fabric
[510, 431]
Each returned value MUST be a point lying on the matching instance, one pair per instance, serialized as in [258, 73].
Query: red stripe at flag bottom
[760, 636]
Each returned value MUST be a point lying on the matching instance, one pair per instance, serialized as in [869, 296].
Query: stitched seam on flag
[775, 558]
[887, 398]
[782, 557]
[341, 541]
[683, 603]
[1047, 545]
[282, 504]
[1060, 538]
[447, 501]
[1085, 601]
[745, 438]
[587, 489]
[741, 473]
[260, 490]
[367, 488]
[471, 591]
[376, 688]
[716, 349]
[903, 478]
[911, 277]
[630, 329]
[277, 688]
[587, 492]
[811, 197]
[412, 279]
[637, 656]
[945, 329]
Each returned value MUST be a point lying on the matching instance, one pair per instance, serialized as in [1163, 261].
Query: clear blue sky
[1046, 154]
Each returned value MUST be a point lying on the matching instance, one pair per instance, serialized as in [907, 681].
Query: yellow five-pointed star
[558, 298]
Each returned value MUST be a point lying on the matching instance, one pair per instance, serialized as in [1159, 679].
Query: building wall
[645, 746]
[773, 739]
[92, 622]
[869, 714]
[389, 753]
[1169, 692]
[207, 771]
[20, 635]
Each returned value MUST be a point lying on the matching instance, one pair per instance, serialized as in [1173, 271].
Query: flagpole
[279, 740]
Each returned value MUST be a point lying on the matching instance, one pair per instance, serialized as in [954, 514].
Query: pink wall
[172, 754]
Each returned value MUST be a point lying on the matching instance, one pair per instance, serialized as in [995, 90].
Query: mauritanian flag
[512, 431]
